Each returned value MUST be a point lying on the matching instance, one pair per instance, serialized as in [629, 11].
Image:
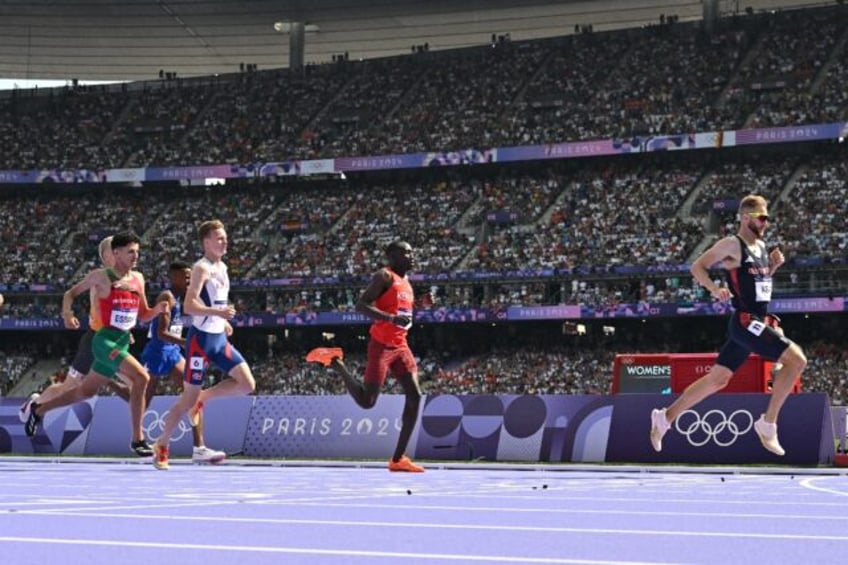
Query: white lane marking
[808, 484]
[439, 526]
[310, 551]
[564, 511]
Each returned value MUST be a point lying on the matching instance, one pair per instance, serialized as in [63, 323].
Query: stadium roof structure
[136, 39]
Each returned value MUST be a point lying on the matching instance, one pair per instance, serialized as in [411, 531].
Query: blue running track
[113, 511]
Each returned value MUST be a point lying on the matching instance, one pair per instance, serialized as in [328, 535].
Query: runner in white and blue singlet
[207, 301]
[163, 353]
[207, 336]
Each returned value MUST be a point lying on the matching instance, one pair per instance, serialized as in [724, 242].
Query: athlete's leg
[793, 362]
[767, 339]
[183, 404]
[150, 391]
[412, 391]
[241, 383]
[177, 376]
[80, 366]
[131, 372]
[730, 358]
[120, 389]
[87, 388]
[57, 389]
[186, 400]
[204, 348]
[363, 393]
[716, 379]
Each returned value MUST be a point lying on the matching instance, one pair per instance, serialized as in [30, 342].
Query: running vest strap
[751, 282]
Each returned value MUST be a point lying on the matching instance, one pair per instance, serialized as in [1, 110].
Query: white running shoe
[203, 454]
[23, 412]
[659, 426]
[768, 435]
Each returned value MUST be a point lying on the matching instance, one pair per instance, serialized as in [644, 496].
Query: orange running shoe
[195, 414]
[160, 457]
[325, 355]
[404, 465]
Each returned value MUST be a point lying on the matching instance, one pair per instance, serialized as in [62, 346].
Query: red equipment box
[755, 374]
[673, 372]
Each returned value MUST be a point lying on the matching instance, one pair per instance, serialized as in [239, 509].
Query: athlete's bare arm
[145, 312]
[93, 280]
[380, 283]
[725, 250]
[165, 320]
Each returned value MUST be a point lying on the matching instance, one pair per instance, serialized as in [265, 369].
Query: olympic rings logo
[714, 426]
[154, 423]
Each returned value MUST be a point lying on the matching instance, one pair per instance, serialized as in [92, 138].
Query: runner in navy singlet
[750, 268]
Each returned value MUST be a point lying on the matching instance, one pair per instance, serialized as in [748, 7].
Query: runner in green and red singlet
[119, 291]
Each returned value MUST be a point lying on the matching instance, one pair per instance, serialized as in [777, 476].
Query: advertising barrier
[459, 314]
[720, 430]
[323, 426]
[224, 421]
[63, 431]
[464, 157]
[514, 427]
[530, 428]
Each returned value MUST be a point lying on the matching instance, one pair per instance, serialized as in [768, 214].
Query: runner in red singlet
[388, 300]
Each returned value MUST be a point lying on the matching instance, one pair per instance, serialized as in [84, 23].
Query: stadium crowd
[784, 68]
[594, 219]
[12, 368]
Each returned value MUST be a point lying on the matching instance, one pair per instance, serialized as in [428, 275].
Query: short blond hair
[752, 202]
[208, 227]
[104, 246]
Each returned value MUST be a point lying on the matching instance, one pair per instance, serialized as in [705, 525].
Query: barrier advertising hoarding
[544, 428]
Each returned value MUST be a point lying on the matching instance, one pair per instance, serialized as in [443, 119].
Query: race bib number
[196, 363]
[123, 319]
[176, 330]
[408, 324]
[756, 327]
[763, 290]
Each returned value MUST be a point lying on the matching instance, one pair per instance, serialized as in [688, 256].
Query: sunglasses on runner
[761, 216]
